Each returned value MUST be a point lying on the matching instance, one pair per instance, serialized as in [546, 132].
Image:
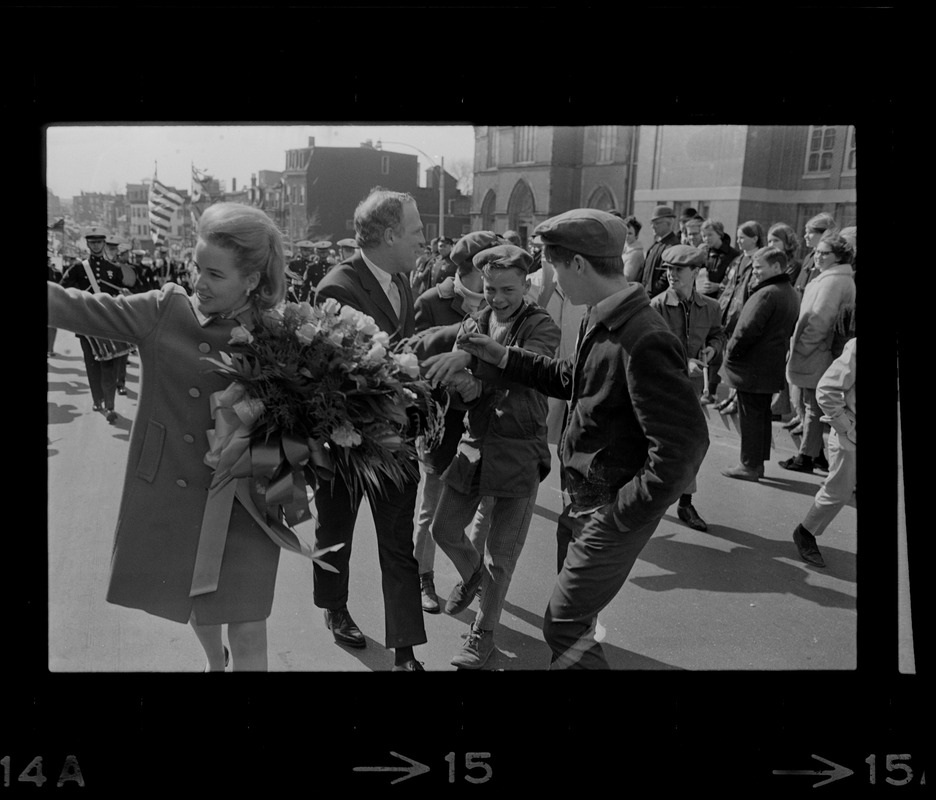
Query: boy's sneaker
[476, 649]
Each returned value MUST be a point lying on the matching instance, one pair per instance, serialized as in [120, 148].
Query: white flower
[305, 311]
[306, 333]
[240, 335]
[345, 436]
[330, 305]
[382, 338]
[408, 363]
[377, 352]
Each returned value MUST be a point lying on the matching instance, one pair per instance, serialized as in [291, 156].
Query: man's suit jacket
[352, 283]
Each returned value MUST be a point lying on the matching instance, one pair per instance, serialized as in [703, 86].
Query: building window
[524, 142]
[819, 150]
[607, 143]
[385, 165]
[851, 152]
[302, 195]
[493, 145]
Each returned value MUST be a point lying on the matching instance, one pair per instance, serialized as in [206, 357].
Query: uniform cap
[587, 231]
[682, 255]
[347, 243]
[660, 212]
[504, 256]
[322, 245]
[473, 243]
[95, 233]
[304, 243]
[112, 240]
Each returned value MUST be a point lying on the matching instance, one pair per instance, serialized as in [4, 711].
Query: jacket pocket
[148, 465]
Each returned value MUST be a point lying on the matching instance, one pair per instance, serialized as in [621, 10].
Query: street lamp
[441, 167]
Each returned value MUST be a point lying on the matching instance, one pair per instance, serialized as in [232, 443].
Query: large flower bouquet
[317, 390]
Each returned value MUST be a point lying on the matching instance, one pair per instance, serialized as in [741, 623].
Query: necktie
[393, 292]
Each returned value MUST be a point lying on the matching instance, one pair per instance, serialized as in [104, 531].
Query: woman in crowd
[811, 344]
[784, 238]
[755, 355]
[157, 562]
[736, 288]
[633, 250]
[815, 227]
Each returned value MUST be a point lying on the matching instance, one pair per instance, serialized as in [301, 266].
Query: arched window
[487, 211]
[602, 199]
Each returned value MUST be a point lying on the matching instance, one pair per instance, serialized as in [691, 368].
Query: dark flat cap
[473, 243]
[504, 256]
[587, 231]
[682, 255]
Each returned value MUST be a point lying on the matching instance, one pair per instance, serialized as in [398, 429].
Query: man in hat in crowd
[112, 254]
[443, 267]
[696, 321]
[634, 434]
[390, 234]
[653, 276]
[296, 271]
[421, 276]
[346, 248]
[97, 274]
[318, 268]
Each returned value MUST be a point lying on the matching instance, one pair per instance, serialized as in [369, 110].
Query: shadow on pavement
[788, 485]
[69, 388]
[375, 656]
[753, 567]
[545, 513]
[60, 415]
[529, 653]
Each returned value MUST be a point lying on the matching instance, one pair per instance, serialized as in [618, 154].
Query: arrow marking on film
[837, 771]
[414, 769]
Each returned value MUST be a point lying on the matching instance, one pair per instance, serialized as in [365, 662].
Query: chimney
[233, 185]
[311, 141]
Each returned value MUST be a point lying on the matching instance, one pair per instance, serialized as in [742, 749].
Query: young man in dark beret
[634, 434]
[502, 456]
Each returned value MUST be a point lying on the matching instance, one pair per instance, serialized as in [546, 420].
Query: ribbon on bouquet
[267, 478]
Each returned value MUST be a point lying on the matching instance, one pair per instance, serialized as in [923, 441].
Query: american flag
[163, 203]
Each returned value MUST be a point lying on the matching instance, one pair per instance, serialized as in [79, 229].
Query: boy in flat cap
[696, 320]
[634, 434]
[502, 456]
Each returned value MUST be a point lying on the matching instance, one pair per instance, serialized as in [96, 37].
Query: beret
[504, 256]
[473, 243]
[587, 231]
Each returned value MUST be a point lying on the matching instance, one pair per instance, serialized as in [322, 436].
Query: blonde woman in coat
[811, 344]
[241, 270]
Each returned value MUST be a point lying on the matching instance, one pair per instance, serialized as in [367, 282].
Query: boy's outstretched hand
[481, 346]
[442, 367]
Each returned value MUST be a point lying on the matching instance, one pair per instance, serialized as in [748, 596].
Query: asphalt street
[734, 598]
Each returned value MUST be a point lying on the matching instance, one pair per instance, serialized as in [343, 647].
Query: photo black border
[560, 731]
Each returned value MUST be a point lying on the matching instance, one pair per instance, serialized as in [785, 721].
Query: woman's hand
[482, 347]
[442, 367]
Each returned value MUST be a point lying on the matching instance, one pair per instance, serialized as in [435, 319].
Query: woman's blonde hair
[257, 243]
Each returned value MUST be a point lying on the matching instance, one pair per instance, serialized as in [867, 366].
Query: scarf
[472, 300]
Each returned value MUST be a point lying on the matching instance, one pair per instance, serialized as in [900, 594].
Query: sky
[105, 158]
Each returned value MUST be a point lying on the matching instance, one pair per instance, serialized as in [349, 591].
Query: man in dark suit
[653, 276]
[390, 234]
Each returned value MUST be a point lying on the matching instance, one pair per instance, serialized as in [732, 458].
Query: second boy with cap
[634, 434]
[696, 320]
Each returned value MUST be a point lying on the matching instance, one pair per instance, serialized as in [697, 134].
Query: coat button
[182, 482]
[193, 392]
[205, 347]
[189, 438]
